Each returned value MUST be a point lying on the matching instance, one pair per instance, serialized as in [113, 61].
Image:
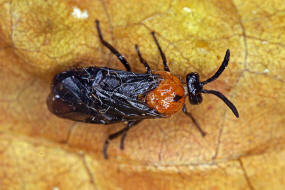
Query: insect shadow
[103, 95]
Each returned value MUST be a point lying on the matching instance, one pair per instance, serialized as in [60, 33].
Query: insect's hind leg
[166, 68]
[129, 125]
[123, 133]
[203, 133]
[111, 48]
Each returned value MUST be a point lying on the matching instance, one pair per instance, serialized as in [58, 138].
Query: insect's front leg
[203, 133]
[123, 133]
[166, 68]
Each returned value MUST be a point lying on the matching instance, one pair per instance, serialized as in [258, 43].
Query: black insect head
[195, 87]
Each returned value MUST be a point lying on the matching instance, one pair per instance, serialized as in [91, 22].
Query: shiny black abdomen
[102, 95]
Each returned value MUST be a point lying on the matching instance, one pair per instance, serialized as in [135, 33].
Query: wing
[102, 95]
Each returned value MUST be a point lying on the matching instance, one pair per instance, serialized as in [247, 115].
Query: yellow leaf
[41, 151]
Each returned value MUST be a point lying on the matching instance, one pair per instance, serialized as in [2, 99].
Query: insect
[105, 95]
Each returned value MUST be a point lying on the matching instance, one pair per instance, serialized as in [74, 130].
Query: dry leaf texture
[40, 151]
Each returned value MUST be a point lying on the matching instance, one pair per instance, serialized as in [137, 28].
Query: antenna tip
[228, 54]
[237, 114]
[234, 110]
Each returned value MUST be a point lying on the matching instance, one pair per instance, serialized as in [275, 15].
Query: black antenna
[222, 97]
[195, 87]
[220, 70]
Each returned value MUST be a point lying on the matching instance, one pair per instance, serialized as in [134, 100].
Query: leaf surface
[41, 151]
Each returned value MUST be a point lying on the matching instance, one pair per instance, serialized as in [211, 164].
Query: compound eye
[193, 77]
[195, 99]
[193, 84]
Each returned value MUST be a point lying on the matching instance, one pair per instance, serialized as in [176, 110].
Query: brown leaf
[40, 151]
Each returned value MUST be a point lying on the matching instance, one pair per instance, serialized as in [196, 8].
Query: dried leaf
[40, 151]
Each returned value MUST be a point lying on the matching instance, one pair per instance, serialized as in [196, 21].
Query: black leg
[142, 60]
[161, 53]
[220, 70]
[122, 132]
[111, 48]
[203, 133]
[129, 125]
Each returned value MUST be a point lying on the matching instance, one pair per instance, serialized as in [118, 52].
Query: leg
[148, 70]
[203, 133]
[111, 48]
[117, 134]
[129, 125]
[161, 53]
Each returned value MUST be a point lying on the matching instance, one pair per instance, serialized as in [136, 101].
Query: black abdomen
[102, 95]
